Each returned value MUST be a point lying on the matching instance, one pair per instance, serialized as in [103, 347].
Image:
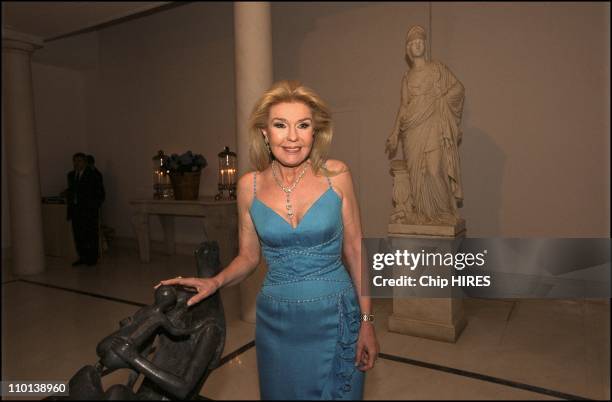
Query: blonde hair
[290, 91]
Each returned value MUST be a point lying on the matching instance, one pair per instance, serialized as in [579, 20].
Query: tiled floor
[521, 349]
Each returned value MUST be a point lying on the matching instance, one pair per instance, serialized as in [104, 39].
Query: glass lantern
[162, 187]
[227, 175]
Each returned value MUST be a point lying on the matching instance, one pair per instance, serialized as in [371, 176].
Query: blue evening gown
[307, 319]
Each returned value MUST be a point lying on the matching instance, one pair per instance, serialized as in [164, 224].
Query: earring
[265, 137]
[268, 146]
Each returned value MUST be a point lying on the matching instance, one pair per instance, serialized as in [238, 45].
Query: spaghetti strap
[326, 176]
[255, 184]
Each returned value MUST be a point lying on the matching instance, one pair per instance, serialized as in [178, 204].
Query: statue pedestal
[398, 229]
[440, 318]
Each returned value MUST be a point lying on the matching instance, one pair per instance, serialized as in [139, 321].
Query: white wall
[163, 82]
[61, 127]
[536, 126]
[535, 153]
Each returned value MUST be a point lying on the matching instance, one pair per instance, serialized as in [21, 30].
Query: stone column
[19, 129]
[253, 60]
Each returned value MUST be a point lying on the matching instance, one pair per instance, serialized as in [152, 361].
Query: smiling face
[416, 48]
[290, 132]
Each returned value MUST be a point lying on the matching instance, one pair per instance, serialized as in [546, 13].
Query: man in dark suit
[85, 194]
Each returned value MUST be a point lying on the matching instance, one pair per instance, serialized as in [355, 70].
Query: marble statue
[402, 200]
[427, 182]
[173, 345]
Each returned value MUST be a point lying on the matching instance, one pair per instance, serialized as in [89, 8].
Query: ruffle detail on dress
[346, 347]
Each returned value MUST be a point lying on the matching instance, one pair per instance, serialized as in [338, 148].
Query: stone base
[440, 318]
[398, 229]
[427, 329]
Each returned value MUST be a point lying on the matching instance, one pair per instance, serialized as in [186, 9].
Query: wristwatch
[366, 317]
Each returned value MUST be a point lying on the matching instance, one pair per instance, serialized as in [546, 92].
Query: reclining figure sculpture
[190, 342]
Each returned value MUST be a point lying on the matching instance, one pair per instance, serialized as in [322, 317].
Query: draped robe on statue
[429, 118]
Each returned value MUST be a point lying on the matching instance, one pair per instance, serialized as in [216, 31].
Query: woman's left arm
[367, 345]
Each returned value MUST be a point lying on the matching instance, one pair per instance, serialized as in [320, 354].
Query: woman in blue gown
[314, 333]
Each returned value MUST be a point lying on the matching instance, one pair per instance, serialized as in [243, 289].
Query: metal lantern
[227, 175]
[162, 187]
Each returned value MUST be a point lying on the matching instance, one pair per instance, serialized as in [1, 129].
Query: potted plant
[185, 171]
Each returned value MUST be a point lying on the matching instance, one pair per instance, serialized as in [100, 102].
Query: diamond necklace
[289, 189]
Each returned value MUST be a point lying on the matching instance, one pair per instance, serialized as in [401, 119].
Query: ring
[179, 277]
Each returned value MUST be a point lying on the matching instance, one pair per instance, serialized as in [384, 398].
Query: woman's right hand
[203, 286]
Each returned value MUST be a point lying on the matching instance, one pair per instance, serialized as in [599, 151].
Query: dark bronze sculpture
[137, 330]
[190, 343]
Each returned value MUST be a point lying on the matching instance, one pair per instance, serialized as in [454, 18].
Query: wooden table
[220, 220]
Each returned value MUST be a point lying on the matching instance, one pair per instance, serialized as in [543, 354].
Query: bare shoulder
[246, 180]
[340, 178]
[245, 187]
[337, 167]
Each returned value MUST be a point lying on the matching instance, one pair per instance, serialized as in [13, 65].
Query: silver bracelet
[366, 317]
